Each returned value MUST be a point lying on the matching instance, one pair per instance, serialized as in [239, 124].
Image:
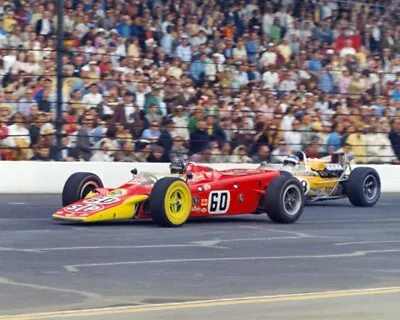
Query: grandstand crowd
[204, 80]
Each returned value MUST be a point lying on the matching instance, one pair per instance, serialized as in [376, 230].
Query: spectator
[199, 138]
[394, 137]
[263, 154]
[240, 155]
[358, 142]
[83, 143]
[104, 154]
[379, 148]
[280, 152]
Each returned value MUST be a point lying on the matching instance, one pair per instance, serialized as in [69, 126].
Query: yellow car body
[332, 178]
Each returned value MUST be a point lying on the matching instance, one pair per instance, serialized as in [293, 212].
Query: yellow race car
[333, 178]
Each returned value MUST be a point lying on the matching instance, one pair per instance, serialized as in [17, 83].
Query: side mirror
[189, 176]
[134, 172]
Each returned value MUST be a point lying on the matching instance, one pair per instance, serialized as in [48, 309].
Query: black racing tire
[363, 187]
[78, 185]
[286, 173]
[284, 199]
[170, 202]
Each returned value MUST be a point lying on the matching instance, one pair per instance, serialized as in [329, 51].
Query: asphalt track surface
[336, 262]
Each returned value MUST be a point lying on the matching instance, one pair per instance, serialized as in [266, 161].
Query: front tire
[78, 186]
[363, 188]
[170, 202]
[284, 199]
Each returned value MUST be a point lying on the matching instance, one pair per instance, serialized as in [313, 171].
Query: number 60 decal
[218, 202]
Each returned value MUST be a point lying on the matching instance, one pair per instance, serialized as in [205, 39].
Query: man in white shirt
[269, 57]
[181, 123]
[270, 78]
[348, 49]
[93, 98]
[44, 25]
[293, 137]
[184, 51]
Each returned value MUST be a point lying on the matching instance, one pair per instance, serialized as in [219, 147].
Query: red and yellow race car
[191, 191]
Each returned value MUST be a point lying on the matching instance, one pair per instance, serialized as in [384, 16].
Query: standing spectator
[83, 144]
[181, 123]
[44, 26]
[394, 137]
[199, 138]
[293, 138]
[166, 135]
[358, 142]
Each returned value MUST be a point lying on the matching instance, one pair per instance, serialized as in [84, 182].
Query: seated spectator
[152, 133]
[104, 154]
[127, 153]
[42, 153]
[263, 154]
[280, 152]
[66, 152]
[239, 155]
[312, 151]
[178, 150]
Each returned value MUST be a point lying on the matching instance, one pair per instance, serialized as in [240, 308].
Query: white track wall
[30, 177]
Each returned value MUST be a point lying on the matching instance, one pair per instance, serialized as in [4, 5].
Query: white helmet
[291, 161]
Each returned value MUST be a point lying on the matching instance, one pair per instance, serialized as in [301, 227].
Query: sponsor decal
[203, 210]
[196, 200]
[204, 202]
[219, 202]
[241, 198]
[84, 208]
[207, 187]
[196, 209]
[117, 192]
[102, 200]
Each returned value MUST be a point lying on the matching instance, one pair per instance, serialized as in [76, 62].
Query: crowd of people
[203, 80]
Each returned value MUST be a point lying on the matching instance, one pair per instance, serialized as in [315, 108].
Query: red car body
[213, 192]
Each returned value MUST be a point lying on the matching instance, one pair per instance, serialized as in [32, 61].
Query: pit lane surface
[47, 266]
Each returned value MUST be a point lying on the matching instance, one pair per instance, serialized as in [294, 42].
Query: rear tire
[78, 186]
[170, 202]
[284, 199]
[363, 188]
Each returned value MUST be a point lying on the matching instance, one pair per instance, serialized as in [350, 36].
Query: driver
[290, 163]
[177, 167]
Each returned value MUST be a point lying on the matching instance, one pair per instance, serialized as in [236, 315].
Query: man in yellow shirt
[358, 143]
[9, 21]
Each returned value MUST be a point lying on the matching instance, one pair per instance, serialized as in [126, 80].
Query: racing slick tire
[78, 186]
[363, 187]
[170, 202]
[284, 199]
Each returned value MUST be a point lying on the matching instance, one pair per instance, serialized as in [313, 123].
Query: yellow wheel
[170, 202]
